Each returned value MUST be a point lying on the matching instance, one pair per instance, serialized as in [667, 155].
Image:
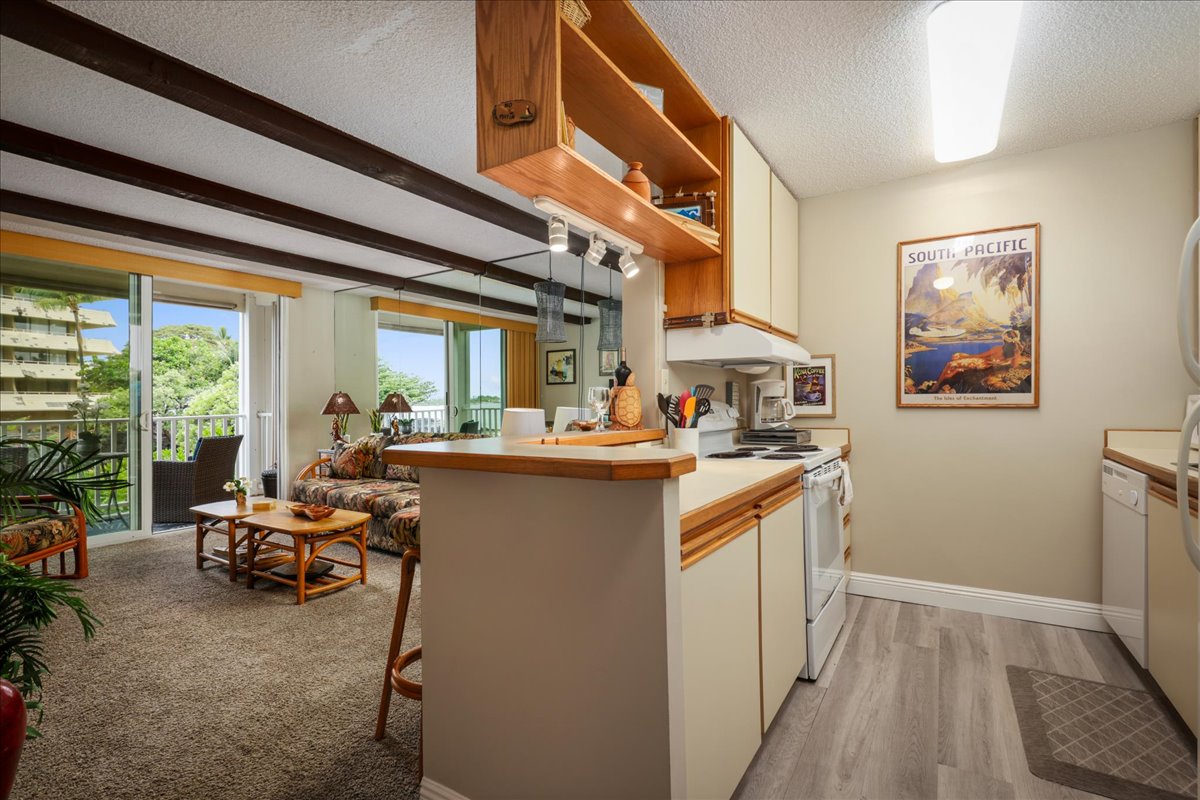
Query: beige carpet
[199, 688]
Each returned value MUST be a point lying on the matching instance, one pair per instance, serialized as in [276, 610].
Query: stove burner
[755, 449]
[732, 454]
[799, 448]
[778, 456]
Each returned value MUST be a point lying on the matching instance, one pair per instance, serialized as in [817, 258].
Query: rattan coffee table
[223, 518]
[309, 540]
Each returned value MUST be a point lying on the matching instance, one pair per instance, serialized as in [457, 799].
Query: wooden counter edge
[658, 468]
[732, 504]
[1157, 474]
[600, 439]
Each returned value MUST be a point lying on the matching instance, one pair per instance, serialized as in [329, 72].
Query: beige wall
[356, 370]
[587, 369]
[1006, 499]
[308, 379]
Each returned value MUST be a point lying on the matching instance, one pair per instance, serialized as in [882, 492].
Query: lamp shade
[523, 422]
[395, 403]
[340, 403]
[551, 327]
[610, 324]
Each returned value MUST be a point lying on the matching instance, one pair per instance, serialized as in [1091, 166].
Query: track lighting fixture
[595, 251]
[611, 238]
[628, 266]
[558, 234]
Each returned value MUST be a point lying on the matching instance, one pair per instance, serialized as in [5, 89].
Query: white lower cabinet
[784, 630]
[720, 666]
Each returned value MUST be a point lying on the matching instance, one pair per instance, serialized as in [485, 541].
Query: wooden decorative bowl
[586, 425]
[315, 512]
[298, 509]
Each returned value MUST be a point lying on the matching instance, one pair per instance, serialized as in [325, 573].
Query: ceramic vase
[240, 498]
[12, 735]
[636, 180]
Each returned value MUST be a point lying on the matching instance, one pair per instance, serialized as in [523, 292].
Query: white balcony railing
[432, 419]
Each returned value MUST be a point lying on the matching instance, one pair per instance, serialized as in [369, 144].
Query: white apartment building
[39, 361]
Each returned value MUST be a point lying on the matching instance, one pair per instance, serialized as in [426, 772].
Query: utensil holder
[685, 439]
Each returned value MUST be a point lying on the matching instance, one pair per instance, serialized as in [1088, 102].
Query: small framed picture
[560, 367]
[608, 361]
[813, 391]
[696, 206]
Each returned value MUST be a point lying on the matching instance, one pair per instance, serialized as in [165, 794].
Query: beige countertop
[1152, 452]
[590, 456]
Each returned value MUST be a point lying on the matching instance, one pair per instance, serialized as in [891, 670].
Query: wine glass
[598, 398]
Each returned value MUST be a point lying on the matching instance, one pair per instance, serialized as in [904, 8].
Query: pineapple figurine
[625, 405]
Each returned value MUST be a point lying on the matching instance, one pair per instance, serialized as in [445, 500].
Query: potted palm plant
[29, 602]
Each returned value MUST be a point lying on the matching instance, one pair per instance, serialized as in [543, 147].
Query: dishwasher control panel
[1124, 485]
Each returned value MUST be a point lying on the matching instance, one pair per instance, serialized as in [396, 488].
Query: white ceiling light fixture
[595, 251]
[971, 44]
[558, 234]
[557, 210]
[628, 266]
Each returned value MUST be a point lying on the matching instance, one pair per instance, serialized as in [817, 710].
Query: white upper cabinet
[751, 220]
[785, 259]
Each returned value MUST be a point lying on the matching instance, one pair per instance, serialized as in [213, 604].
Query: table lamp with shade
[340, 407]
[523, 422]
[396, 404]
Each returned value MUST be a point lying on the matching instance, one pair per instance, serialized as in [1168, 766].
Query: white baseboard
[432, 790]
[1050, 610]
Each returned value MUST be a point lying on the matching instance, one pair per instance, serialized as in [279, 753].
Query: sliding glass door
[71, 367]
[476, 368]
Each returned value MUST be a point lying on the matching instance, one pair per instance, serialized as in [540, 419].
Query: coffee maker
[772, 406]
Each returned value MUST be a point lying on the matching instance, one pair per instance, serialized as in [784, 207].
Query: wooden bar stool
[397, 662]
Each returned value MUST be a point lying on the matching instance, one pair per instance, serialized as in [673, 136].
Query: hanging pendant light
[610, 320]
[551, 326]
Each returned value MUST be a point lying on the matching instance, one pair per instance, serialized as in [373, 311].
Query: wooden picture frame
[609, 360]
[814, 387]
[696, 206]
[560, 367]
[968, 319]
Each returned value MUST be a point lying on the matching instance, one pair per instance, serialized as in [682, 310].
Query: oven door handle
[823, 480]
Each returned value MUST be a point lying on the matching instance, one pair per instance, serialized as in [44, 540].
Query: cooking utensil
[704, 391]
[703, 408]
[683, 415]
[664, 407]
[689, 411]
[673, 408]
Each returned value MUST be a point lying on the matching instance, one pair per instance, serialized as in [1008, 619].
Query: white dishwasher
[1123, 577]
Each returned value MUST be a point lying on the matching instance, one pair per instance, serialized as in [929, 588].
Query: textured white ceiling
[836, 94]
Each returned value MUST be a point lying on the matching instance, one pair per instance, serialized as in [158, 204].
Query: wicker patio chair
[179, 485]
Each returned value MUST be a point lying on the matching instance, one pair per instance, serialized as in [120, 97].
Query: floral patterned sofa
[52, 531]
[358, 480]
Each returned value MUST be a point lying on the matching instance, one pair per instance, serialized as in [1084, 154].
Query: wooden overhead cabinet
[755, 281]
[534, 67]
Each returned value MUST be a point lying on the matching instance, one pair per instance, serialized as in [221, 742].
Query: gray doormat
[1100, 738]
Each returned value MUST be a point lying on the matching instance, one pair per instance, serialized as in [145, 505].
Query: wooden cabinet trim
[770, 505]
[1157, 474]
[1171, 497]
[716, 538]
[734, 504]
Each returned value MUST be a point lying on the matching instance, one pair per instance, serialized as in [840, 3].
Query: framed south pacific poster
[967, 320]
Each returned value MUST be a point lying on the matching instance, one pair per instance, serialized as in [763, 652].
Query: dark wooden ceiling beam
[63, 152]
[62, 33]
[54, 211]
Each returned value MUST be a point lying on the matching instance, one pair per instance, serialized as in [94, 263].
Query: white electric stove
[824, 543]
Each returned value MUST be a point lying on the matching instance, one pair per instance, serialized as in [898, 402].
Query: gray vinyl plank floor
[914, 703]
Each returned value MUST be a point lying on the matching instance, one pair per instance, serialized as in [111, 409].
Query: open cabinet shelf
[527, 53]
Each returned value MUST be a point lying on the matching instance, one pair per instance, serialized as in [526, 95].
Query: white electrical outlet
[664, 382]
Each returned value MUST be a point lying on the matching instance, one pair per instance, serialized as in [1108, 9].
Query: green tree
[414, 388]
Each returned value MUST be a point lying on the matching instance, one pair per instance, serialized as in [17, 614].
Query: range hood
[735, 346]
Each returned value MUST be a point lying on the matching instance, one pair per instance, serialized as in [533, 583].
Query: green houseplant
[56, 471]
